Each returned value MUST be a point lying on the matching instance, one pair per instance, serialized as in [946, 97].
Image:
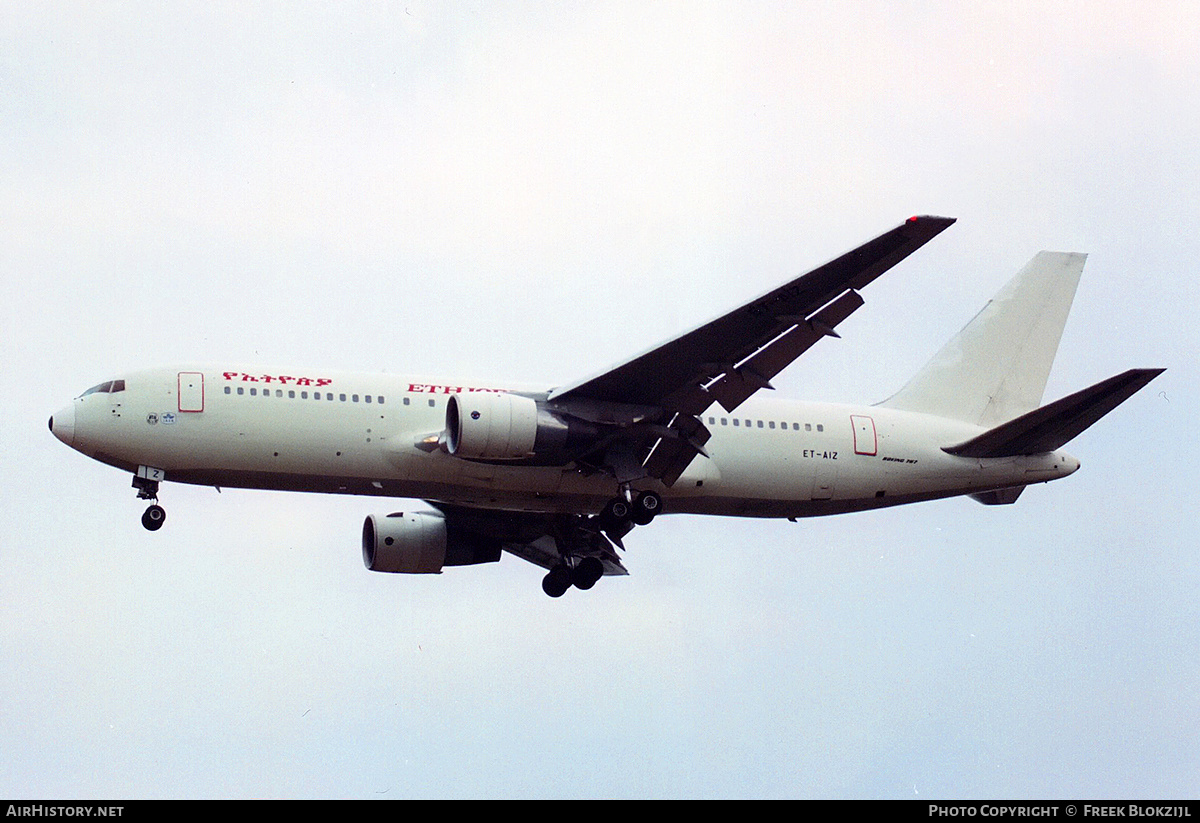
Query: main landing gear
[591, 536]
[622, 513]
[584, 574]
[146, 481]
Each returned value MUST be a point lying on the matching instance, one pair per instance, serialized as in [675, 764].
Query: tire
[587, 572]
[616, 513]
[557, 581]
[154, 517]
[645, 507]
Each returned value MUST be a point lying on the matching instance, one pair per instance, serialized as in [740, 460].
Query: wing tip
[926, 226]
[932, 219]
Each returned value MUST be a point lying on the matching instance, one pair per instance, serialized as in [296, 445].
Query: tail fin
[1051, 426]
[996, 368]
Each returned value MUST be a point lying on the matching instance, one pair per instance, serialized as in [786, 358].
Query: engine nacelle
[421, 543]
[491, 426]
[502, 427]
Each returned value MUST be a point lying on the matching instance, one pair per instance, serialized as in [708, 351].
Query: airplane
[560, 475]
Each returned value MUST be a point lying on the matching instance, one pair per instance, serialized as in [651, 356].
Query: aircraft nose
[62, 424]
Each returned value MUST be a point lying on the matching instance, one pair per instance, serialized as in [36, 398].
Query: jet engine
[422, 543]
[502, 427]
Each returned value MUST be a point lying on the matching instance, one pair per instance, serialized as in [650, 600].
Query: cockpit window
[106, 388]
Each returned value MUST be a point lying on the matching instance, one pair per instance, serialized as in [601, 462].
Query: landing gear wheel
[154, 517]
[557, 581]
[616, 513]
[587, 572]
[645, 507]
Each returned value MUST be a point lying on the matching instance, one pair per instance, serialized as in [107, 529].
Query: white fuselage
[379, 435]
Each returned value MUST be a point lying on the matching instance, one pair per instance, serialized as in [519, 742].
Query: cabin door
[865, 441]
[191, 391]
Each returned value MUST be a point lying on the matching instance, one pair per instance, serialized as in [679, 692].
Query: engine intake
[421, 543]
[491, 426]
[502, 427]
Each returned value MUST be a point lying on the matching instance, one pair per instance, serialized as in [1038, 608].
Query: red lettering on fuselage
[289, 380]
[276, 378]
[427, 388]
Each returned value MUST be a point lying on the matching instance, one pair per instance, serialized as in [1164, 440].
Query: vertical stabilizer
[996, 367]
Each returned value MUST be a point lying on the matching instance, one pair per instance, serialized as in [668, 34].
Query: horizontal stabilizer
[1051, 426]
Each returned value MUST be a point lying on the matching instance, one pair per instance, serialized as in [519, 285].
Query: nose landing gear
[146, 481]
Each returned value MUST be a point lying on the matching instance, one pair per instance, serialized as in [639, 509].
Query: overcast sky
[535, 191]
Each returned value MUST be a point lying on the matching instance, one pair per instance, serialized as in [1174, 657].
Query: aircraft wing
[743, 349]
[728, 359]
